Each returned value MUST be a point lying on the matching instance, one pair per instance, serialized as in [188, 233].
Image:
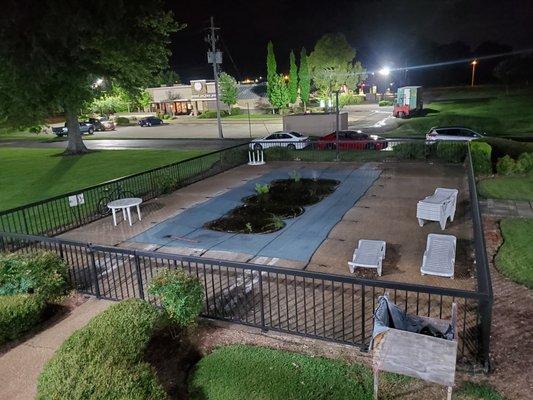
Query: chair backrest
[446, 192]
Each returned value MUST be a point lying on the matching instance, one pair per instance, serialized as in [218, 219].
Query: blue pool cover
[297, 241]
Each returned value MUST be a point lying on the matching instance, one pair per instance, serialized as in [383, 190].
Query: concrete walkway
[507, 208]
[20, 367]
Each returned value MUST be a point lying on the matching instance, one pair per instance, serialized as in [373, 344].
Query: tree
[272, 73]
[167, 77]
[332, 64]
[228, 89]
[304, 79]
[48, 67]
[293, 79]
[279, 93]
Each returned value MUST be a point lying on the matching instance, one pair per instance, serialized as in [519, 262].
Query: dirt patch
[282, 199]
[173, 355]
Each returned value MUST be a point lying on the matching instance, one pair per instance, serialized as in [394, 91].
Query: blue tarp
[297, 241]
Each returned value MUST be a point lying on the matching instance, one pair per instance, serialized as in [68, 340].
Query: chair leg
[449, 396]
[420, 222]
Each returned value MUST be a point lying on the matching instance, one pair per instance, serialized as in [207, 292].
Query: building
[199, 96]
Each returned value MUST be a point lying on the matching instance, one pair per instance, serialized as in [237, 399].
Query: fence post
[261, 302]
[363, 316]
[94, 271]
[485, 310]
[26, 231]
[136, 261]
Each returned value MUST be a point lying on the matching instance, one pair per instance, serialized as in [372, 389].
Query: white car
[290, 140]
[458, 133]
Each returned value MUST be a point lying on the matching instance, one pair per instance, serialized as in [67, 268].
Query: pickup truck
[85, 127]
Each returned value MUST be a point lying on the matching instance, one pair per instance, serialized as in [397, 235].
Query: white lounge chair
[439, 207]
[439, 257]
[369, 254]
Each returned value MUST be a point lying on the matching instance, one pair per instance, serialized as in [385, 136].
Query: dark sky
[383, 31]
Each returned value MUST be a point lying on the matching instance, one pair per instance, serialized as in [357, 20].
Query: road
[191, 133]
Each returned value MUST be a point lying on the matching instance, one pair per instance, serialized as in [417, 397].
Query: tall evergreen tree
[272, 74]
[304, 79]
[293, 79]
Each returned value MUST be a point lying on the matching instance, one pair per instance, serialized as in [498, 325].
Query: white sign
[76, 200]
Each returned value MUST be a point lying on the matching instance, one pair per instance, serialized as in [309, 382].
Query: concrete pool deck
[387, 211]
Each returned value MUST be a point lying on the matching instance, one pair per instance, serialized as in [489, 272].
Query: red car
[351, 140]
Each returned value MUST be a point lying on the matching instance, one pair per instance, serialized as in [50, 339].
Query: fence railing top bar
[257, 267]
[112, 181]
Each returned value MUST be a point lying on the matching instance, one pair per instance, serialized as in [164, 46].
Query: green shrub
[524, 164]
[181, 295]
[410, 150]
[212, 114]
[42, 274]
[103, 360]
[279, 154]
[166, 116]
[262, 188]
[481, 157]
[347, 99]
[18, 314]
[122, 121]
[166, 183]
[453, 152]
[35, 129]
[506, 166]
[384, 103]
[236, 111]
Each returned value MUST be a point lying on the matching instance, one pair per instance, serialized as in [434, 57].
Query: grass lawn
[33, 174]
[507, 187]
[515, 257]
[246, 372]
[497, 114]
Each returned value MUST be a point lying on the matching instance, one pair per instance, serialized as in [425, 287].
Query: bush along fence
[317, 305]
[71, 210]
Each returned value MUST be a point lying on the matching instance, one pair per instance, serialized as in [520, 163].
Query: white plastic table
[125, 205]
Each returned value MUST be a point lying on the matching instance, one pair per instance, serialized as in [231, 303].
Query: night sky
[390, 32]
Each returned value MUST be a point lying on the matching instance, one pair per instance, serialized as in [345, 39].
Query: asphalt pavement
[190, 133]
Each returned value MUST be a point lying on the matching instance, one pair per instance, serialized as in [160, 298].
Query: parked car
[459, 133]
[351, 140]
[102, 124]
[290, 140]
[150, 121]
[85, 127]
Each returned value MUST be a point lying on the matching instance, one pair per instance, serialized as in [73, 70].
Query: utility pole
[214, 57]
[337, 155]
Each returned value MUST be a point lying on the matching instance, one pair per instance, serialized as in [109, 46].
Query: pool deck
[387, 211]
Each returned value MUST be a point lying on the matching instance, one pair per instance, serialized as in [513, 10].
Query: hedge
[481, 157]
[122, 121]
[27, 283]
[103, 360]
[410, 150]
[18, 314]
[453, 152]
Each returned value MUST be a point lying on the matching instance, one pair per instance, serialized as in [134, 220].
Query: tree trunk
[305, 107]
[75, 142]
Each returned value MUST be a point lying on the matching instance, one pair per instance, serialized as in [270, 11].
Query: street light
[473, 63]
[385, 71]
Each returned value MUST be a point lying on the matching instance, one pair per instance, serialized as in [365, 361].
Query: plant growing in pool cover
[181, 295]
[262, 188]
[265, 211]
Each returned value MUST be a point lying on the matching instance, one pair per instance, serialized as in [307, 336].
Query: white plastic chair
[369, 254]
[439, 257]
[438, 207]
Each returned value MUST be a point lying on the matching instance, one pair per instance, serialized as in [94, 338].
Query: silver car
[290, 140]
[458, 133]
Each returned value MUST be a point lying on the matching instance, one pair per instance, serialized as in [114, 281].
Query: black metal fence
[71, 210]
[329, 307]
[311, 304]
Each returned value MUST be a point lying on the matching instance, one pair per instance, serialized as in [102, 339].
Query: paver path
[507, 208]
[20, 367]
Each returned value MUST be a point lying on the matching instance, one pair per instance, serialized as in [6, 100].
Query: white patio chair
[439, 257]
[438, 207]
[369, 254]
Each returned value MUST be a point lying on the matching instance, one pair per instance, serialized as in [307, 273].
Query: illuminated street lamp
[385, 71]
[473, 63]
